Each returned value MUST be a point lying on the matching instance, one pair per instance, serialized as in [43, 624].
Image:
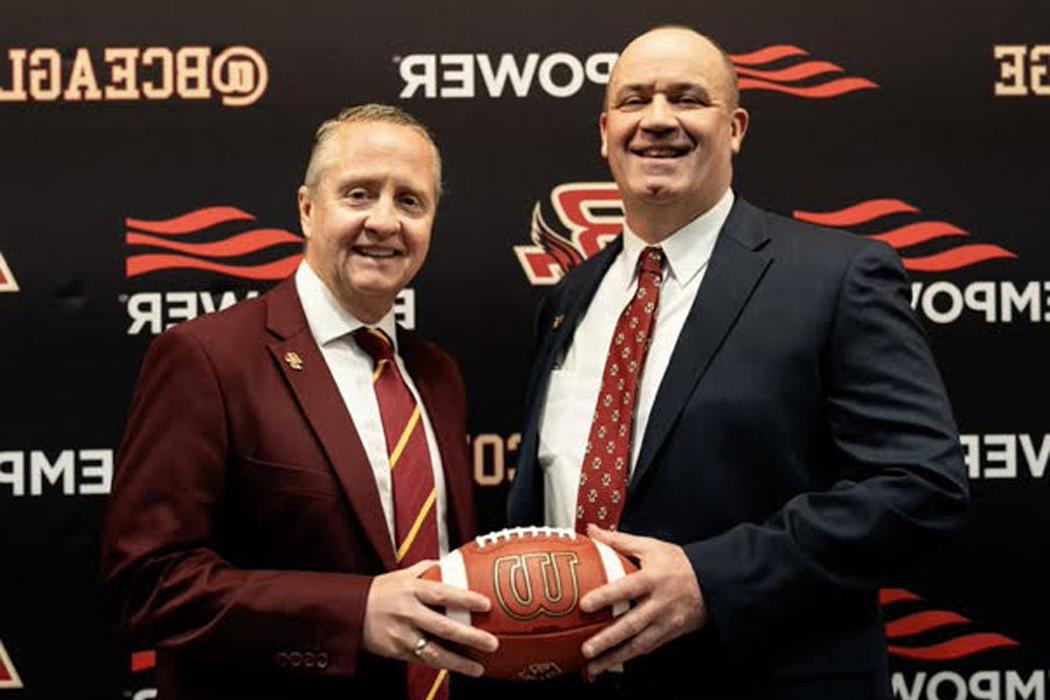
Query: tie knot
[651, 260]
[375, 342]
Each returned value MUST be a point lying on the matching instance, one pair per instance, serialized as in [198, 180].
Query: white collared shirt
[565, 420]
[331, 326]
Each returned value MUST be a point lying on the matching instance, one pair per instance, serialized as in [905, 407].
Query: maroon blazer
[245, 526]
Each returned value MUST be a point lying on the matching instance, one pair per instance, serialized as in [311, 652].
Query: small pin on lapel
[294, 361]
[558, 320]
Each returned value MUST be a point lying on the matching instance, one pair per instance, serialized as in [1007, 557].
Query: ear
[602, 119]
[306, 207]
[738, 127]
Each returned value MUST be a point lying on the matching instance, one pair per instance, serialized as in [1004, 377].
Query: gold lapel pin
[558, 320]
[294, 361]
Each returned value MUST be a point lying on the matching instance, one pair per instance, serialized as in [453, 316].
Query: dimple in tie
[606, 463]
[412, 479]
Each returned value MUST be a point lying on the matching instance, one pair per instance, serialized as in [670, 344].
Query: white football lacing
[522, 532]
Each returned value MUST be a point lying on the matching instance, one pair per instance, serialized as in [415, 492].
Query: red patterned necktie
[606, 464]
[412, 478]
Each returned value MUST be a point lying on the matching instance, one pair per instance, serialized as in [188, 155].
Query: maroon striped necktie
[412, 478]
[606, 464]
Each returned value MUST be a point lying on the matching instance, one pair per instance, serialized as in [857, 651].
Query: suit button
[322, 660]
[308, 659]
[282, 659]
[296, 658]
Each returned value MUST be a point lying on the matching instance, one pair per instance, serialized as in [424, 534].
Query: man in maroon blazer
[251, 535]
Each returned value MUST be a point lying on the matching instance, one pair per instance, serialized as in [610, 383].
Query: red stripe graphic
[926, 621]
[143, 661]
[799, 71]
[910, 234]
[165, 253]
[785, 79]
[963, 256]
[920, 622]
[831, 89]
[857, 214]
[913, 234]
[193, 221]
[277, 270]
[957, 648]
[241, 244]
[767, 55]
[888, 596]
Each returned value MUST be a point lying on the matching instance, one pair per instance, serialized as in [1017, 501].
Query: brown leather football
[535, 578]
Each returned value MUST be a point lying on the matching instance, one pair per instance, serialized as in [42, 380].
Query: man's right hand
[397, 617]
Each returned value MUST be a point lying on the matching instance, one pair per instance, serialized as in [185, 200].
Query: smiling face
[367, 220]
[670, 128]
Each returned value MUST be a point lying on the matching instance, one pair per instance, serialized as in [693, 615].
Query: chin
[659, 193]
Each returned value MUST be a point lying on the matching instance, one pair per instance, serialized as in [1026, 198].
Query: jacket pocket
[289, 478]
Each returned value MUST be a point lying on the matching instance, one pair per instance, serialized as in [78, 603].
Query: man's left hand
[666, 596]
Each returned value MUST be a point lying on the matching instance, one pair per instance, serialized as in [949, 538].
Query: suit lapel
[739, 260]
[323, 406]
[451, 440]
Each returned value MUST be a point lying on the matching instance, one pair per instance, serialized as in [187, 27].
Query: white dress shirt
[568, 411]
[351, 367]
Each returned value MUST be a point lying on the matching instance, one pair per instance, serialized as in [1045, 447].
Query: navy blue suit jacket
[801, 449]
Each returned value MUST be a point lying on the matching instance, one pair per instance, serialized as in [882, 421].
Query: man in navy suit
[744, 404]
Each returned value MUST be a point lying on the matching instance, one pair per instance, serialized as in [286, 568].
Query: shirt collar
[328, 319]
[686, 251]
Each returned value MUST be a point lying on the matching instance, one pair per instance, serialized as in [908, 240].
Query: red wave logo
[7, 280]
[910, 234]
[201, 254]
[8, 675]
[912, 624]
[784, 68]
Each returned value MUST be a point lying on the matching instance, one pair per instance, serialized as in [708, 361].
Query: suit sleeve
[162, 567]
[901, 488]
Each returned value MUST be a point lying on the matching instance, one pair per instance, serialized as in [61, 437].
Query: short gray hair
[371, 112]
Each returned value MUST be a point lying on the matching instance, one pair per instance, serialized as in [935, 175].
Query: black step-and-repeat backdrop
[148, 164]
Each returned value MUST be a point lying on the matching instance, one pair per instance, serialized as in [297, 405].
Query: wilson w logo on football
[542, 583]
[535, 577]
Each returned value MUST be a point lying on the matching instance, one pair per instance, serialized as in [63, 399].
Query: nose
[658, 115]
[382, 219]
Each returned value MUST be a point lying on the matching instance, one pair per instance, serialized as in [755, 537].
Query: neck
[368, 311]
[655, 223]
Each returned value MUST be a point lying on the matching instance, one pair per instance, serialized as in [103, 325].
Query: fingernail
[588, 650]
[477, 670]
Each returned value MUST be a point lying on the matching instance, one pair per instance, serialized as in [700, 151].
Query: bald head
[670, 128]
[680, 40]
